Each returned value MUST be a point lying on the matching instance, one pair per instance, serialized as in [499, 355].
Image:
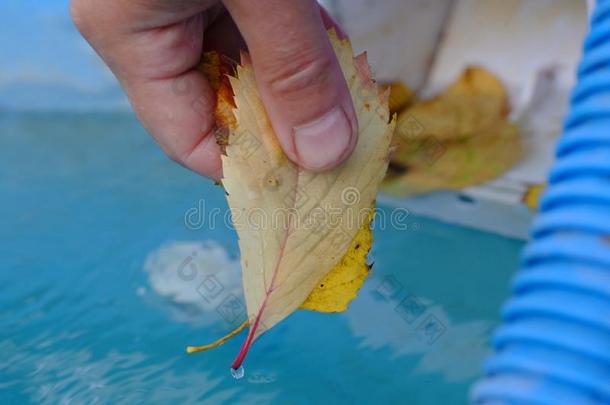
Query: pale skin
[153, 47]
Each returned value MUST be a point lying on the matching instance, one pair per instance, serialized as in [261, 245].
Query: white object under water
[198, 279]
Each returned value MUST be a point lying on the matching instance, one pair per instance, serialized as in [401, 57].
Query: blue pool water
[95, 308]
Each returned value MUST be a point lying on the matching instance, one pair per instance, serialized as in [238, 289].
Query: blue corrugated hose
[554, 345]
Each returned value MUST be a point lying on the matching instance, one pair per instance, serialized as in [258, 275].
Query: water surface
[97, 301]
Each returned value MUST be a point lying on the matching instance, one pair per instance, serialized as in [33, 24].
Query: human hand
[151, 44]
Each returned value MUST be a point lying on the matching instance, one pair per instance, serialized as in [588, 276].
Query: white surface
[481, 212]
[532, 45]
[514, 39]
[399, 36]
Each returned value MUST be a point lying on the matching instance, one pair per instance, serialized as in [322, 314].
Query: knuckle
[304, 73]
[173, 152]
[80, 12]
[175, 156]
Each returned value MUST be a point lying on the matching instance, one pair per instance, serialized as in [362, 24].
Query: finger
[153, 50]
[329, 22]
[224, 37]
[299, 78]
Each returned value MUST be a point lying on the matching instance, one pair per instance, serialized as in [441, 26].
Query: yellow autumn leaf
[335, 291]
[458, 139]
[454, 165]
[472, 103]
[299, 230]
[400, 97]
[532, 196]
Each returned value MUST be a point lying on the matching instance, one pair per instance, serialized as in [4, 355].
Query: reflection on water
[76, 376]
[418, 326]
[98, 297]
[193, 278]
[197, 280]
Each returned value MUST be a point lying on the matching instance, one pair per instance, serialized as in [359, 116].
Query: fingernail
[323, 142]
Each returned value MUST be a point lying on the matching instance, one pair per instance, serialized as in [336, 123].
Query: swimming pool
[98, 227]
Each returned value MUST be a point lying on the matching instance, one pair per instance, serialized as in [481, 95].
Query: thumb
[299, 78]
